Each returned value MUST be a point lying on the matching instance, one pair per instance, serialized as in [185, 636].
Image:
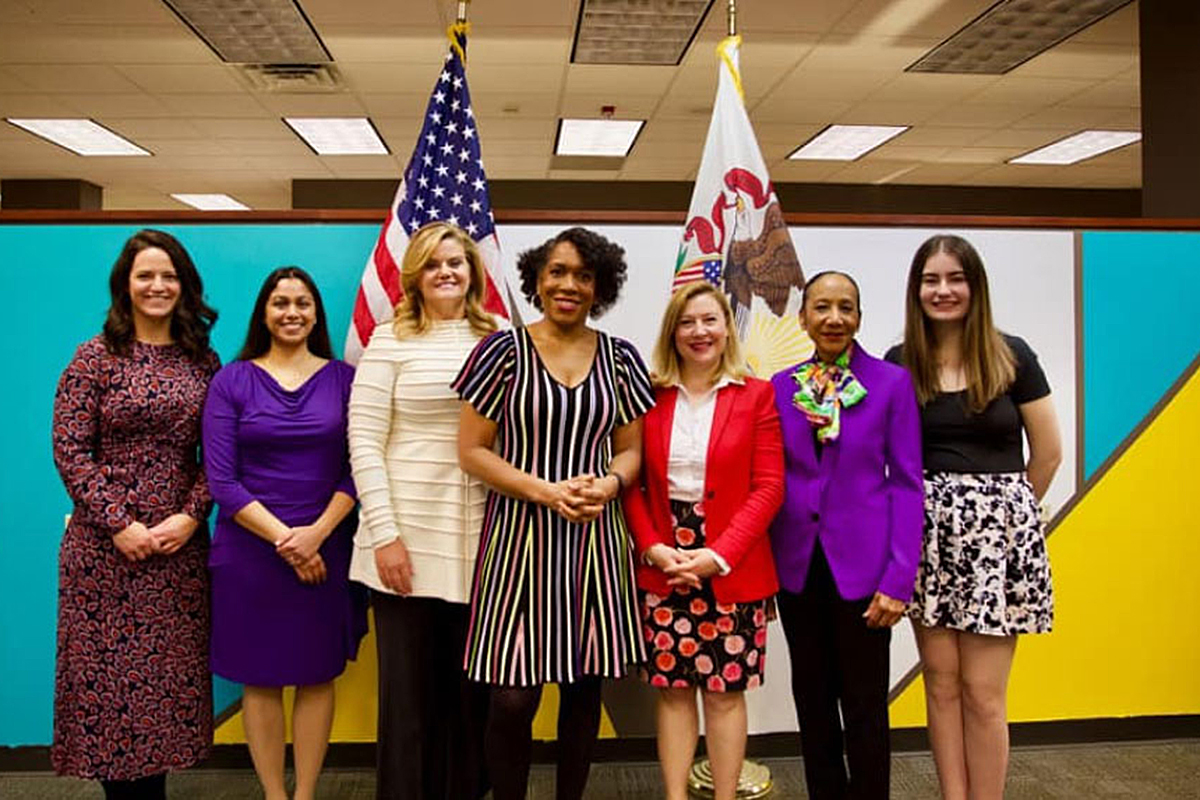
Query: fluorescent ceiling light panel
[211, 202]
[1079, 147]
[81, 136]
[1010, 33]
[846, 142]
[338, 136]
[636, 31]
[253, 31]
[597, 137]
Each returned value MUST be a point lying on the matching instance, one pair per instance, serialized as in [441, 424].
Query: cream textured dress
[403, 431]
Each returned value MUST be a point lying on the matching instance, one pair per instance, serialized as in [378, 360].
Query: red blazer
[743, 488]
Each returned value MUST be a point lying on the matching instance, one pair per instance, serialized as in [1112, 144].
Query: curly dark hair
[258, 338]
[606, 260]
[192, 318]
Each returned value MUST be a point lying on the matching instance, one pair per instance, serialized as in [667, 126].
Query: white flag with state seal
[735, 235]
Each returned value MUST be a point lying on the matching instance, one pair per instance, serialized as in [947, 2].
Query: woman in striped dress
[551, 423]
[419, 526]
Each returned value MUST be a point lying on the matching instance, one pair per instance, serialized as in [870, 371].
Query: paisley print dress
[133, 694]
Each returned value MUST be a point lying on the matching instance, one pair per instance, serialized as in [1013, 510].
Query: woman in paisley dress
[133, 697]
[553, 597]
[984, 575]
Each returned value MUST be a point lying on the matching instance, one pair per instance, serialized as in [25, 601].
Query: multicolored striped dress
[552, 600]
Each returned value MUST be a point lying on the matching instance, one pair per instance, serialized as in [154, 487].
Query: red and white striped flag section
[444, 180]
[735, 235]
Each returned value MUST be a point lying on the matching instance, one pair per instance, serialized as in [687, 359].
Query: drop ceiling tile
[497, 128]
[538, 146]
[1070, 60]
[548, 13]
[138, 104]
[650, 167]
[411, 13]
[615, 79]
[805, 84]
[517, 167]
[73, 78]
[880, 112]
[806, 111]
[628, 106]
[868, 171]
[34, 105]
[899, 150]
[241, 105]
[980, 115]
[935, 20]
[520, 45]
[502, 77]
[1118, 93]
[811, 16]
[515, 105]
[320, 104]
[271, 128]
[938, 174]
[180, 78]
[1062, 115]
[379, 105]
[364, 166]
[980, 155]
[925, 87]
[1119, 28]
[850, 53]
[1034, 91]
[154, 128]
[937, 135]
[366, 43]
[110, 12]
[101, 44]
[583, 174]
[291, 147]
[802, 171]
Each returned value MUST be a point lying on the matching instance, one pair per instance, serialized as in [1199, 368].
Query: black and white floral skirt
[984, 567]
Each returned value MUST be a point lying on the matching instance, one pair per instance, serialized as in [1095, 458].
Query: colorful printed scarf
[825, 389]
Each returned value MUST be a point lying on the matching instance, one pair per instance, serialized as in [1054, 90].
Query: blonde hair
[667, 369]
[410, 318]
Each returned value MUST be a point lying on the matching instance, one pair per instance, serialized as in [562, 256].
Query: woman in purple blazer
[847, 540]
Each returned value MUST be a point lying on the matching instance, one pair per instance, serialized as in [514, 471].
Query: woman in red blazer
[711, 481]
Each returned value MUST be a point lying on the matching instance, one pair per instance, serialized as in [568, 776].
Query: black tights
[509, 737]
[151, 787]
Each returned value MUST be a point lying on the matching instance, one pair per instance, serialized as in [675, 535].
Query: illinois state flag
[735, 236]
[444, 180]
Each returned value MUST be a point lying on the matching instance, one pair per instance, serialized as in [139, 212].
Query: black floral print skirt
[984, 567]
[696, 641]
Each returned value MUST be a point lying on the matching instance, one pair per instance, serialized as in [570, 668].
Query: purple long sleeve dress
[287, 450]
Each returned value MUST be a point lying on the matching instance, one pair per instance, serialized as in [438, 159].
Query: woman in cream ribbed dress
[420, 521]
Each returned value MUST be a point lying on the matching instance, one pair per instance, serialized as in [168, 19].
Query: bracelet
[620, 481]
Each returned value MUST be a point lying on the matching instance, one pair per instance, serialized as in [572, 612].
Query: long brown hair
[667, 371]
[411, 319]
[191, 319]
[258, 338]
[988, 362]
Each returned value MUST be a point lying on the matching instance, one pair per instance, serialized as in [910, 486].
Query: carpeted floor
[1150, 770]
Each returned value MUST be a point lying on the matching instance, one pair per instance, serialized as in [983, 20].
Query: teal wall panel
[1141, 329]
[53, 279]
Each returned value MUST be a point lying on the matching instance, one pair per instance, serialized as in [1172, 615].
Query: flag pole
[731, 11]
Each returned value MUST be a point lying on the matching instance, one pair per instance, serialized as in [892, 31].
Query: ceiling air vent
[253, 31]
[1010, 33]
[291, 77]
[636, 31]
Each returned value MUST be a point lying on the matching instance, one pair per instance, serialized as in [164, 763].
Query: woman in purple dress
[132, 693]
[275, 451]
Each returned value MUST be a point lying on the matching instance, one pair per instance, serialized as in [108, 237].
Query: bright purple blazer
[864, 498]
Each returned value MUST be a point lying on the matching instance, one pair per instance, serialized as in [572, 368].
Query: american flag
[708, 269]
[445, 181]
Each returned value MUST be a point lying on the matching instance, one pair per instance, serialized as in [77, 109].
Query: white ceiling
[134, 67]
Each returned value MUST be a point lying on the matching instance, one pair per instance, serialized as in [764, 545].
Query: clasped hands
[582, 498]
[299, 549]
[137, 542]
[683, 567]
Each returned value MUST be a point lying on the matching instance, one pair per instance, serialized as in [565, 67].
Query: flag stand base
[753, 783]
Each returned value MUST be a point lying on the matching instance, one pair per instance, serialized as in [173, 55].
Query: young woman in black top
[984, 575]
